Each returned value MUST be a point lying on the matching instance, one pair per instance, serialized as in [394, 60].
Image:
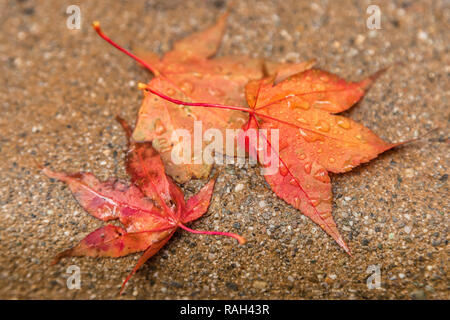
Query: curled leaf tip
[142, 86]
[122, 288]
[96, 25]
[59, 256]
[240, 239]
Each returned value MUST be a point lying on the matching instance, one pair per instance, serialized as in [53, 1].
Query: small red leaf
[151, 208]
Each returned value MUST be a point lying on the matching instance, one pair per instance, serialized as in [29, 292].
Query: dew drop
[321, 103]
[283, 170]
[331, 160]
[323, 126]
[343, 123]
[302, 156]
[307, 168]
[187, 87]
[325, 215]
[293, 182]
[314, 202]
[297, 202]
[322, 176]
[310, 136]
[215, 92]
[302, 120]
[159, 127]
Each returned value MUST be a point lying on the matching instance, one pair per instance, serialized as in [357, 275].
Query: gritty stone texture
[62, 88]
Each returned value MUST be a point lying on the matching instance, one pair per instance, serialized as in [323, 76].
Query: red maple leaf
[150, 208]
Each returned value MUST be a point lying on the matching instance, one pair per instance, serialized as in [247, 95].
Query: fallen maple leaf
[188, 73]
[312, 141]
[150, 208]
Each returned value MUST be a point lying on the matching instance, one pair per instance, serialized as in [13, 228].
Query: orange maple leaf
[312, 140]
[189, 73]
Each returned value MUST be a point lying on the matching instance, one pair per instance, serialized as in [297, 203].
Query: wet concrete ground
[62, 88]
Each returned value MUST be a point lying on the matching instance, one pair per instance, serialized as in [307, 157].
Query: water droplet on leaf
[323, 126]
[322, 176]
[283, 170]
[187, 87]
[307, 168]
[343, 123]
[159, 127]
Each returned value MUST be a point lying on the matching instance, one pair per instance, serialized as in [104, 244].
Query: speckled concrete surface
[62, 88]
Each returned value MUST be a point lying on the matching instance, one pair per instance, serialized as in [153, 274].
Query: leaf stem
[193, 104]
[97, 28]
[240, 239]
